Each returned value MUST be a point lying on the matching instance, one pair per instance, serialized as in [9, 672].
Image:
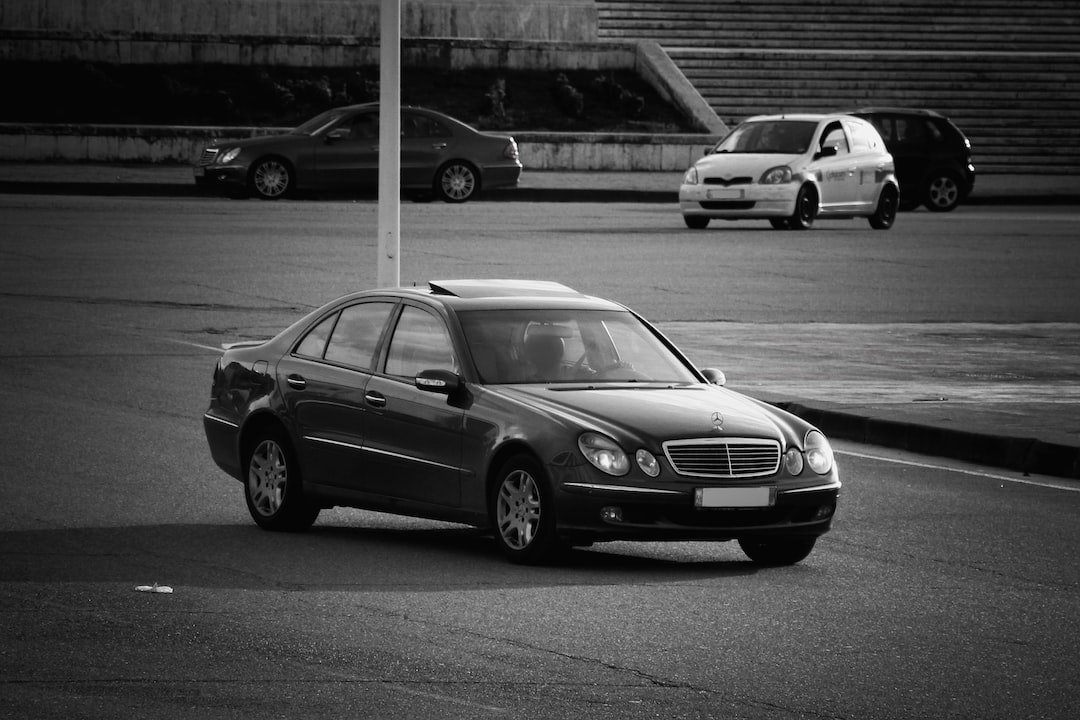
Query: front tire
[778, 550]
[885, 214]
[696, 222]
[806, 209]
[273, 487]
[942, 192]
[457, 182]
[523, 512]
[270, 179]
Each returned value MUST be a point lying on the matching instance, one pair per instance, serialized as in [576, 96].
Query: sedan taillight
[511, 150]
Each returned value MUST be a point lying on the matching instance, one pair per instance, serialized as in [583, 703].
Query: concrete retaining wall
[567, 20]
[181, 145]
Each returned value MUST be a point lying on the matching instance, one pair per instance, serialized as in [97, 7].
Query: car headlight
[691, 176]
[604, 453]
[647, 462]
[229, 155]
[819, 454]
[793, 461]
[776, 176]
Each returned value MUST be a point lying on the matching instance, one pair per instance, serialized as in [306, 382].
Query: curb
[1022, 454]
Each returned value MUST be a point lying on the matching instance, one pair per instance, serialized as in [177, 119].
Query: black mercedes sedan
[339, 150]
[546, 416]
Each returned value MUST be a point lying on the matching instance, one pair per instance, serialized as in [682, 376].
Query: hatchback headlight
[691, 176]
[776, 176]
[604, 453]
[819, 454]
[229, 155]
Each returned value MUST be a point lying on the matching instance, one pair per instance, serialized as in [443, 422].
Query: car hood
[659, 412]
[729, 165]
[258, 140]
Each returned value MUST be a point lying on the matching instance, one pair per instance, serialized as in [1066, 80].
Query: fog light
[611, 514]
[823, 512]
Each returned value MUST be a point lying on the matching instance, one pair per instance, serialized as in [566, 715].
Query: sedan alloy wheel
[271, 179]
[523, 516]
[456, 182]
[273, 489]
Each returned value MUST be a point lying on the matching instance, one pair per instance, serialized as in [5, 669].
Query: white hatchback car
[791, 169]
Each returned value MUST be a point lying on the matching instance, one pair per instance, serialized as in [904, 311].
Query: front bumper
[745, 201]
[219, 176]
[594, 509]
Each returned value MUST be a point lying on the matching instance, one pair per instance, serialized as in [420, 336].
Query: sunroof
[501, 288]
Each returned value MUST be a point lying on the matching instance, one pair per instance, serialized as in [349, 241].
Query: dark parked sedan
[339, 149]
[549, 417]
[932, 156]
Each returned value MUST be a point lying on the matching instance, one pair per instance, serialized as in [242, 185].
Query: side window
[911, 131]
[414, 125]
[357, 334]
[314, 343]
[934, 131]
[420, 342]
[862, 140]
[834, 136]
[364, 126]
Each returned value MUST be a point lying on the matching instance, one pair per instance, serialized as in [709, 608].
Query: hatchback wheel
[523, 512]
[942, 192]
[780, 223]
[696, 222]
[806, 208]
[270, 179]
[885, 214]
[273, 487]
[779, 550]
[456, 182]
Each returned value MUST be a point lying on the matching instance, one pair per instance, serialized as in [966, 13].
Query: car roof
[810, 117]
[492, 294]
[895, 111]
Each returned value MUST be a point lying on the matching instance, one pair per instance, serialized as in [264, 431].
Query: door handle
[296, 382]
[438, 146]
[375, 399]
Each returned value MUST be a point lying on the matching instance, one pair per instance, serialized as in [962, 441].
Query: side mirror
[714, 376]
[708, 151]
[443, 382]
[827, 151]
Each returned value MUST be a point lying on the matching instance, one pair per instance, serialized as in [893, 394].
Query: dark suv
[932, 156]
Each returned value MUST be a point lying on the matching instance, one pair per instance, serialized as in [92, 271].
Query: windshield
[568, 346]
[318, 122]
[786, 137]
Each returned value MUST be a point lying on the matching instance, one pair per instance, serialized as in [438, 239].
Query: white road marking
[1039, 481]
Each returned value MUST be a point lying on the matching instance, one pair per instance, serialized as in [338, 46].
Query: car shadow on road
[421, 556]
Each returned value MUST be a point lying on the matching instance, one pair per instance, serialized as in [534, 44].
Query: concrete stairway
[1006, 72]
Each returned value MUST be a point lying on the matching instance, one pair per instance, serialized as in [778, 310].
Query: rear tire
[780, 223]
[778, 550]
[456, 182]
[885, 214]
[273, 487]
[942, 192]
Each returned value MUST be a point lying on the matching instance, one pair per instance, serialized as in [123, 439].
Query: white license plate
[724, 194]
[734, 497]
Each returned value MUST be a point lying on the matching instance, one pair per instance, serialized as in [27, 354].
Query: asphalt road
[942, 592]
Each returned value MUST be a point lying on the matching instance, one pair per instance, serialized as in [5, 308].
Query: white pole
[389, 265]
